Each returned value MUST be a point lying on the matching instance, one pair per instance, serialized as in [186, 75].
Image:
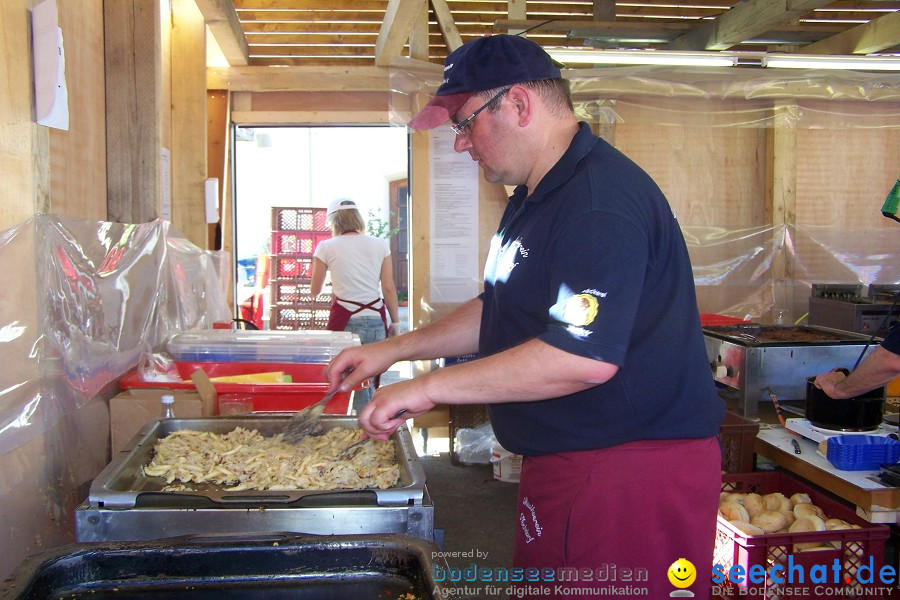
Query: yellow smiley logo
[682, 573]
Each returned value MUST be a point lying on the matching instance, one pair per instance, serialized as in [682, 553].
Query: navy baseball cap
[484, 64]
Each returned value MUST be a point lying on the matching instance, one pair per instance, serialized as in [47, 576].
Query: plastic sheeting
[82, 303]
[745, 267]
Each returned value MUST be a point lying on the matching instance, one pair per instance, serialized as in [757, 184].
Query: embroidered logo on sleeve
[577, 311]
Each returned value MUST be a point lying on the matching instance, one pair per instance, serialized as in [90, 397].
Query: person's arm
[879, 368]
[453, 335]
[389, 290]
[528, 372]
[318, 277]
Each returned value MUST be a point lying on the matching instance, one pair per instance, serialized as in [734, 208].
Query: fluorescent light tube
[813, 61]
[643, 57]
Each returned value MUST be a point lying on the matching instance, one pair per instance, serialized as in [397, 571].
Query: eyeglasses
[460, 127]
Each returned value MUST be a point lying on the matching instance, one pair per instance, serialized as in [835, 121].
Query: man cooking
[592, 362]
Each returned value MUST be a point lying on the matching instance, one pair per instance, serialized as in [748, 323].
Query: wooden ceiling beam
[744, 21]
[225, 27]
[298, 79]
[447, 24]
[876, 35]
[398, 23]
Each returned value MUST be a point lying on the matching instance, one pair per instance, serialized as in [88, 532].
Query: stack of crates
[295, 234]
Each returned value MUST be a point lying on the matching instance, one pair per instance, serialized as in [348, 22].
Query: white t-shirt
[355, 263]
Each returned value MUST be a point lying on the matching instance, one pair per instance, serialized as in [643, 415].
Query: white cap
[340, 204]
[168, 399]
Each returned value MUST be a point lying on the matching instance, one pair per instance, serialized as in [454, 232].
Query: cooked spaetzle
[243, 459]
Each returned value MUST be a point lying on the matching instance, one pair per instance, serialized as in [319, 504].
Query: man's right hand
[355, 364]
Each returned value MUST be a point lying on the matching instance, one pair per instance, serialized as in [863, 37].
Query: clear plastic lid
[224, 345]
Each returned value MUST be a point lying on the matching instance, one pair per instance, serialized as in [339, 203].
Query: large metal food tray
[234, 566]
[123, 484]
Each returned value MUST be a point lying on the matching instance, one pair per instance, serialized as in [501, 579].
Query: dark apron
[340, 316]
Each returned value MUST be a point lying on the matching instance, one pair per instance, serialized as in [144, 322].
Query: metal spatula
[307, 420]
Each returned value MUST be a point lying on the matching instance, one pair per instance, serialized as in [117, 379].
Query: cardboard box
[131, 410]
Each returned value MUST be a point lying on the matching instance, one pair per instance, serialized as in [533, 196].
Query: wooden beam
[743, 21]
[189, 134]
[874, 36]
[447, 24]
[134, 97]
[225, 27]
[272, 79]
[516, 9]
[395, 30]
[604, 10]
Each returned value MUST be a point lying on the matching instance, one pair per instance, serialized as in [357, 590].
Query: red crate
[298, 243]
[292, 218]
[852, 548]
[738, 438]
[296, 291]
[292, 267]
[313, 316]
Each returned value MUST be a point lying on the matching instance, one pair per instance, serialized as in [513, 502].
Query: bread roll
[732, 511]
[747, 528]
[790, 517]
[800, 498]
[754, 504]
[832, 524]
[735, 497]
[823, 447]
[808, 523]
[770, 521]
[777, 502]
[805, 509]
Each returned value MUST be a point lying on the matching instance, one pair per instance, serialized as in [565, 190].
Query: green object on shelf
[889, 209]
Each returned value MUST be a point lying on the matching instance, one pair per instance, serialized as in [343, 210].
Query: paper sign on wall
[454, 221]
[51, 98]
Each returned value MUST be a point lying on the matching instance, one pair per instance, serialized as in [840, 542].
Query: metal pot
[860, 413]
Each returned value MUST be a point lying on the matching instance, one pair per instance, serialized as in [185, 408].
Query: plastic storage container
[862, 452]
[218, 345]
[852, 549]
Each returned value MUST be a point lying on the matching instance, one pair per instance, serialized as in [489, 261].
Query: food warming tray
[125, 505]
[264, 567]
[122, 484]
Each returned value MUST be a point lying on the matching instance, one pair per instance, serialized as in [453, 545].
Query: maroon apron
[340, 316]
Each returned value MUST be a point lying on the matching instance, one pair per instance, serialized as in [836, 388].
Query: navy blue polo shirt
[595, 264]
[891, 341]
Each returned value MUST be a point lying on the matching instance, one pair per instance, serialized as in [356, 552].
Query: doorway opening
[284, 167]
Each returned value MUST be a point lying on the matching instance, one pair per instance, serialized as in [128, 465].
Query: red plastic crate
[296, 291]
[312, 316]
[300, 243]
[292, 267]
[852, 548]
[292, 218]
[308, 386]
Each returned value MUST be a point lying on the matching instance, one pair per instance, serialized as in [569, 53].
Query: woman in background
[362, 280]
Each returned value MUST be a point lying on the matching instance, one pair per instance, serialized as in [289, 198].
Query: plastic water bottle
[168, 403]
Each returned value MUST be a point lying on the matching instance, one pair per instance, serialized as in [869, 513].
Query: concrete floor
[475, 515]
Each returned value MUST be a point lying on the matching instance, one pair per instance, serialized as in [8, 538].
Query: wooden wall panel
[844, 173]
[189, 121]
[23, 144]
[712, 174]
[78, 156]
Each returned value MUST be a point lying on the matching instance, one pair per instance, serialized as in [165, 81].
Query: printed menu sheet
[454, 266]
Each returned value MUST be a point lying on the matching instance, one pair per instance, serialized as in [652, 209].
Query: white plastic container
[223, 345]
[507, 466]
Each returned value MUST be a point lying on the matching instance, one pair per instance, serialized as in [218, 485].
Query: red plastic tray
[308, 387]
[708, 319]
